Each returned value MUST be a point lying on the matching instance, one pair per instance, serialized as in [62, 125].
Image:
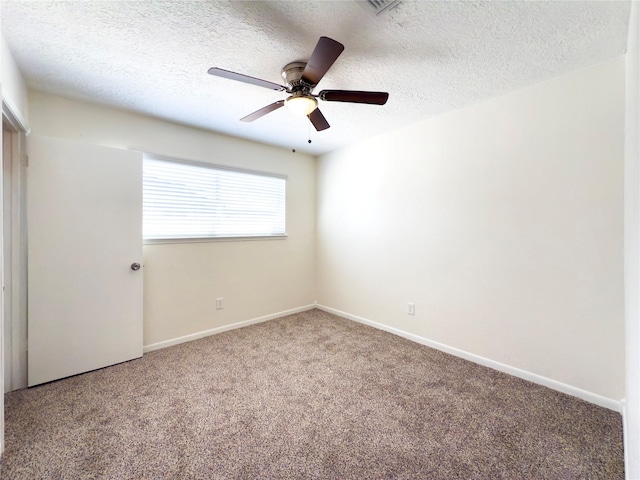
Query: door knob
[135, 266]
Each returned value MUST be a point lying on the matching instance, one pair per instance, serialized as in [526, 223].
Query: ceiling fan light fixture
[301, 104]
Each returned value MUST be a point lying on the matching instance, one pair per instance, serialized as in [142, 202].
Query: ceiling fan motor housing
[292, 73]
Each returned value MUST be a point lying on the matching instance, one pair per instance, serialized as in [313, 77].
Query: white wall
[181, 281]
[502, 222]
[632, 246]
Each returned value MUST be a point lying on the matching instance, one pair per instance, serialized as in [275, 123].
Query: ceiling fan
[301, 78]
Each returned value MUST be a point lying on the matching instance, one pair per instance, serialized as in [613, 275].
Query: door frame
[14, 268]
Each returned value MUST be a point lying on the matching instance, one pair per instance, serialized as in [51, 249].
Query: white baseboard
[224, 328]
[591, 397]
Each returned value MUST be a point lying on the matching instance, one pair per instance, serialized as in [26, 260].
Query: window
[197, 201]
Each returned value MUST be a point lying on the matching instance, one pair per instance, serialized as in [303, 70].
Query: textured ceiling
[431, 56]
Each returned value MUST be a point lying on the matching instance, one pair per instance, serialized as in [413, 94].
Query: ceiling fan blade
[323, 56]
[263, 111]
[219, 72]
[318, 120]
[354, 96]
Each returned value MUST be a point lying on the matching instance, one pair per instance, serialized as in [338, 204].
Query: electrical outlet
[411, 308]
[219, 303]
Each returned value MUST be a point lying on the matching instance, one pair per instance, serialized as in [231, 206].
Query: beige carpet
[305, 396]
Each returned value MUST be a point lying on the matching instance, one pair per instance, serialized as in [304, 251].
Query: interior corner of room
[505, 232]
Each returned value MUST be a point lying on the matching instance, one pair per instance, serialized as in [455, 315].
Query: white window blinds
[192, 201]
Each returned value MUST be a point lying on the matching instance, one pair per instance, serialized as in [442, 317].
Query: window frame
[213, 166]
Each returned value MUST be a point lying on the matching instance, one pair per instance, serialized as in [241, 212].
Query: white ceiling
[431, 56]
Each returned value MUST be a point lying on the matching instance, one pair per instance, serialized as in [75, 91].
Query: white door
[84, 209]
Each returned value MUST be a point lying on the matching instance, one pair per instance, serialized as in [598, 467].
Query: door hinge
[25, 160]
